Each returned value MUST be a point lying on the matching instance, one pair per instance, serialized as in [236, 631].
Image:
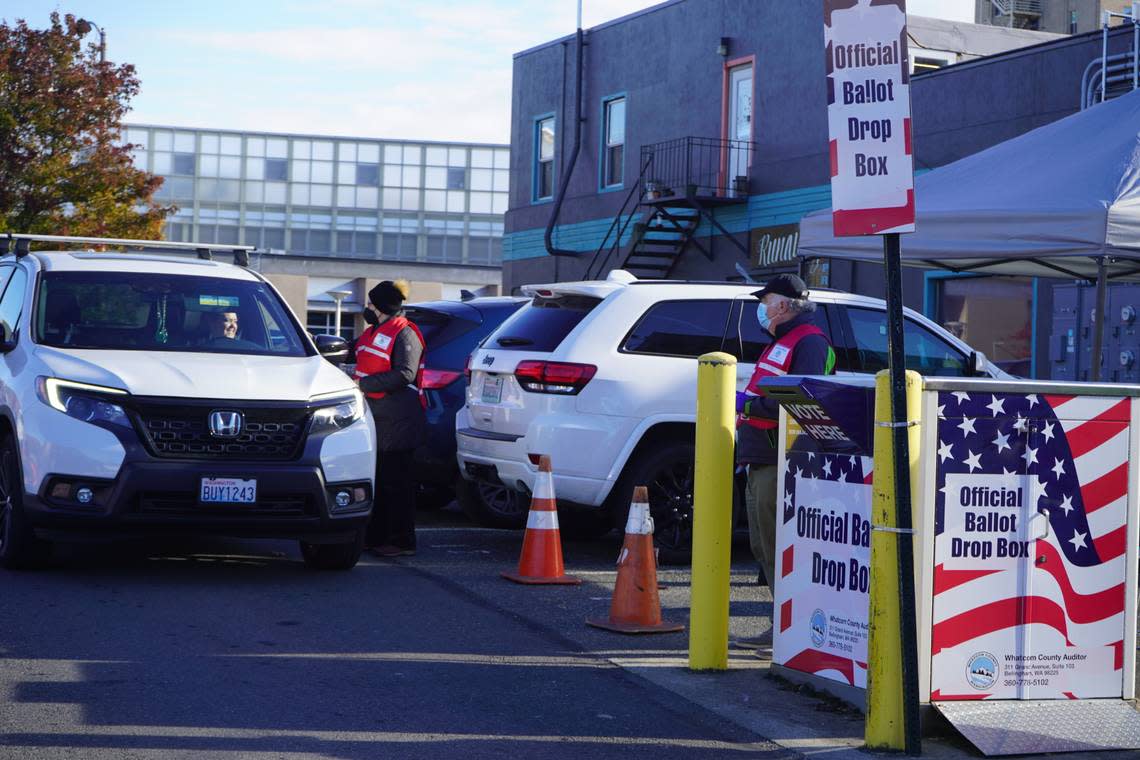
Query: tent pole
[1096, 361]
[892, 259]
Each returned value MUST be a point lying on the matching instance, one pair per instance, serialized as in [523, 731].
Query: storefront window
[994, 315]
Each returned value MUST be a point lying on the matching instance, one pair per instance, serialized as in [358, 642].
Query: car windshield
[163, 312]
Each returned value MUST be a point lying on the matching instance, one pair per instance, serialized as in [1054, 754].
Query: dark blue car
[452, 330]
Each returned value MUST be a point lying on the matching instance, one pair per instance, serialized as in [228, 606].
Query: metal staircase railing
[701, 167]
[1110, 76]
[1017, 7]
[699, 173]
[620, 223]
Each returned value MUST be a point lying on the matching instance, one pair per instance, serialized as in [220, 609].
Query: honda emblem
[225, 424]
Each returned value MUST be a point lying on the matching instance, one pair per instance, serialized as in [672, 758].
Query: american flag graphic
[1064, 598]
[798, 601]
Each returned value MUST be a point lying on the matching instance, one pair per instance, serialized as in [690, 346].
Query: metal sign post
[897, 358]
[872, 189]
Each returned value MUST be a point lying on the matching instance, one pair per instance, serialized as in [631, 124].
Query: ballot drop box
[1026, 534]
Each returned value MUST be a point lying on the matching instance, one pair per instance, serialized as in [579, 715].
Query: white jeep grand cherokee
[131, 402]
[601, 375]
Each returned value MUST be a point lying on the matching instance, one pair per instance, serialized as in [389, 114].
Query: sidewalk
[469, 560]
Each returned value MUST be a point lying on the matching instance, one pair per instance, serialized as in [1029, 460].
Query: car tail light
[434, 379]
[562, 378]
[535, 459]
[467, 369]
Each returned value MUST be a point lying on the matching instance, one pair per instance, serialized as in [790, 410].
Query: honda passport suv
[602, 376]
[144, 393]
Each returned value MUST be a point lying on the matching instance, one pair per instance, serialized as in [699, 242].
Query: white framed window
[613, 156]
[544, 158]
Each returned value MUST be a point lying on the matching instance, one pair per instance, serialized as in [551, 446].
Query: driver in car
[221, 324]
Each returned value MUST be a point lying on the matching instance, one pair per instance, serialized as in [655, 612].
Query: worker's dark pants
[394, 510]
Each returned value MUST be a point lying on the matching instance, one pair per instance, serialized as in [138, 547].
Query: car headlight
[89, 403]
[340, 414]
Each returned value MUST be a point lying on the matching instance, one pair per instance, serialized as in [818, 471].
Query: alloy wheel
[503, 501]
[671, 504]
[5, 499]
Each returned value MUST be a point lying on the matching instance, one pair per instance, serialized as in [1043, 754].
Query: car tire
[667, 470]
[584, 525]
[492, 506]
[333, 556]
[20, 549]
[431, 498]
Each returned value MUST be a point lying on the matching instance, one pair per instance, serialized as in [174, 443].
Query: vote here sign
[868, 116]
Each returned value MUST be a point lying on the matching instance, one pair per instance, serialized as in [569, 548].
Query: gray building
[699, 158]
[333, 215]
[1058, 16]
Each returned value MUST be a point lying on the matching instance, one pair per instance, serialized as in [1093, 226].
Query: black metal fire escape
[681, 184]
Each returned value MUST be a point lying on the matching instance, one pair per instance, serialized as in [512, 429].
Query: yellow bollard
[885, 728]
[712, 511]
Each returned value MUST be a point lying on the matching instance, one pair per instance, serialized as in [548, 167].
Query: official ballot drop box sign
[1026, 546]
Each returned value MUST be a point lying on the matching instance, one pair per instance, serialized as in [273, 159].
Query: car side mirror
[332, 347]
[8, 339]
[978, 365]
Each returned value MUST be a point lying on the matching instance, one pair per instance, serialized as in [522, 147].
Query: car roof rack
[20, 244]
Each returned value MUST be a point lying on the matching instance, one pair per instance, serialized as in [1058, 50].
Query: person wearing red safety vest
[389, 370]
[799, 348]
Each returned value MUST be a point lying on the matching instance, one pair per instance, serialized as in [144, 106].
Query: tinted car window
[440, 327]
[925, 352]
[543, 323]
[163, 312]
[746, 340]
[680, 328]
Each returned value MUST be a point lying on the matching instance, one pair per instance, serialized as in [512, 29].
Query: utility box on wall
[1071, 339]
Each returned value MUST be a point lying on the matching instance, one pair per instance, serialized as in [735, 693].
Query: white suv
[131, 402]
[602, 376]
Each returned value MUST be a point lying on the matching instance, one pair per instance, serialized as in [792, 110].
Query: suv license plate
[492, 389]
[228, 491]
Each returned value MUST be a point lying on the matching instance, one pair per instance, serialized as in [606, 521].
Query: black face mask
[371, 318]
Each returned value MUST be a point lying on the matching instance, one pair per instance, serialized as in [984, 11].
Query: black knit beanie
[388, 296]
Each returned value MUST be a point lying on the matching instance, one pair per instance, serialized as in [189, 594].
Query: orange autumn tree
[63, 167]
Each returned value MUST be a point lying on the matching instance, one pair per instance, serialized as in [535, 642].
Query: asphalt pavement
[233, 649]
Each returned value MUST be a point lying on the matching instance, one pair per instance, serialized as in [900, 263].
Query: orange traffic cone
[541, 560]
[636, 607]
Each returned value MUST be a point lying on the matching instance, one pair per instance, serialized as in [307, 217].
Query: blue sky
[438, 70]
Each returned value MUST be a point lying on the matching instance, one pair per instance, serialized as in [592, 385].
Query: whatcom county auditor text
[868, 116]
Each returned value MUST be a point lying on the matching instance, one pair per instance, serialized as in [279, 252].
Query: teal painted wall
[761, 211]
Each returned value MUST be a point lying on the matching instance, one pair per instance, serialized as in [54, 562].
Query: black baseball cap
[784, 285]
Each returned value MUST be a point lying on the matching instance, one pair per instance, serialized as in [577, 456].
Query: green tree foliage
[63, 169]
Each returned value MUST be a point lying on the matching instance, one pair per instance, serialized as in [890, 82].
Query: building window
[456, 179]
[276, 169]
[544, 158]
[183, 163]
[324, 323]
[612, 162]
[1072, 22]
[368, 174]
[927, 64]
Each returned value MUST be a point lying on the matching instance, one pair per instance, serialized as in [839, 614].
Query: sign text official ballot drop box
[1025, 554]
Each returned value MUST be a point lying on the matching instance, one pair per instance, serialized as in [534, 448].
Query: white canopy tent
[1052, 202]
[1060, 201]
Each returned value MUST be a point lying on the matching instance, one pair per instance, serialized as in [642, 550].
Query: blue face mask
[762, 316]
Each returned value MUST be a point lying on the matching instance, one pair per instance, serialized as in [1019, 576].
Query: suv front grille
[182, 432]
[269, 505]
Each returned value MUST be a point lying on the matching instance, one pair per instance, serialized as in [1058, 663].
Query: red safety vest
[374, 353]
[776, 360]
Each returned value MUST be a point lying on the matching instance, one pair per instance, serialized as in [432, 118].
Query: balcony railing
[701, 168]
[1019, 7]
